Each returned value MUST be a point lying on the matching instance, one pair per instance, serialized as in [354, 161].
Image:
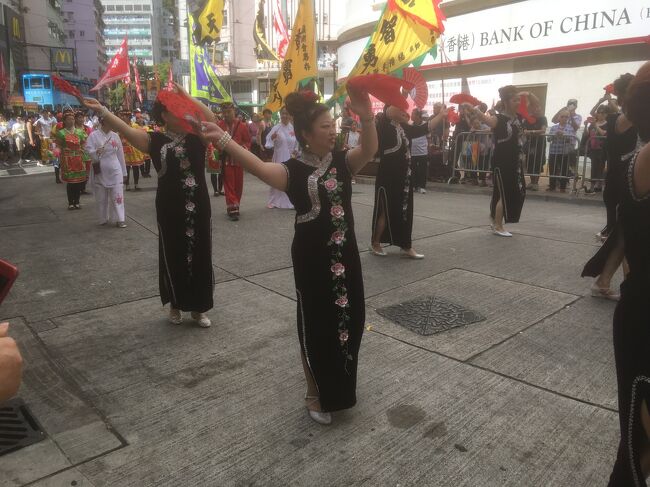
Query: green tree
[116, 96]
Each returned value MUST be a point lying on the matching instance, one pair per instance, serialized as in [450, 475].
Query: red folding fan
[452, 116]
[182, 108]
[66, 87]
[522, 110]
[420, 92]
[461, 98]
[383, 87]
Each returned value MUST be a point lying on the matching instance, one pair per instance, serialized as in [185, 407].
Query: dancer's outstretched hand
[209, 132]
[92, 104]
[360, 103]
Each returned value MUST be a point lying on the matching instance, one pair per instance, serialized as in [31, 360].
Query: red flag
[64, 86]
[138, 86]
[170, 78]
[118, 68]
[280, 28]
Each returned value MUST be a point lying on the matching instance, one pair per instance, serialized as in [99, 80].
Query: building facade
[140, 21]
[12, 47]
[44, 31]
[84, 27]
[558, 53]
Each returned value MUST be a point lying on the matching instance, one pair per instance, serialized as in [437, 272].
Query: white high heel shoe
[201, 319]
[175, 317]
[318, 416]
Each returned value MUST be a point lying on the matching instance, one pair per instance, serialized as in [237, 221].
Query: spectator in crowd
[18, 133]
[32, 140]
[46, 122]
[595, 151]
[535, 146]
[267, 125]
[574, 119]
[352, 140]
[11, 365]
[5, 145]
[346, 120]
[559, 154]
[420, 153]
[282, 139]
[461, 130]
[439, 136]
[254, 130]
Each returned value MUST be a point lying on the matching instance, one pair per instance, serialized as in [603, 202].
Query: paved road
[526, 397]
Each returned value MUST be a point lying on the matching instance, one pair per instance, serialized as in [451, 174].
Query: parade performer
[107, 174]
[79, 123]
[282, 139]
[140, 123]
[509, 191]
[631, 318]
[231, 171]
[73, 168]
[182, 204]
[620, 140]
[327, 268]
[392, 220]
[46, 124]
[133, 157]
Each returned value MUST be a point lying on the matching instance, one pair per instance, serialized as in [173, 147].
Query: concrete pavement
[526, 397]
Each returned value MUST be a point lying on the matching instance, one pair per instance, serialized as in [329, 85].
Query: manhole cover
[429, 315]
[18, 427]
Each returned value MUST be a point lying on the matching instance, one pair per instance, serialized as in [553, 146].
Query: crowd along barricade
[440, 165]
[593, 164]
[471, 156]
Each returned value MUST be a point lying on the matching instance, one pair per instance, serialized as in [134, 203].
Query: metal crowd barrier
[555, 156]
[595, 157]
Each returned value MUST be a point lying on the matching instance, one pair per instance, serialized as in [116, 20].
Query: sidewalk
[525, 396]
[24, 169]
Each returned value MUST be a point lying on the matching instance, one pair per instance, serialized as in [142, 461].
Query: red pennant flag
[118, 68]
[280, 28]
[64, 86]
[138, 85]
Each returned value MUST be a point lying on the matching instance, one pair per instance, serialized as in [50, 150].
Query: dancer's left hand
[209, 132]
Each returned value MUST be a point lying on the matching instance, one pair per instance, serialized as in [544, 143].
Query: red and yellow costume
[231, 171]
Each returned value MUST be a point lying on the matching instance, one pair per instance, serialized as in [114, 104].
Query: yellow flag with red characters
[301, 62]
[425, 12]
[406, 31]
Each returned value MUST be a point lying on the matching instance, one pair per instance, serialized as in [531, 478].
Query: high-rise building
[140, 21]
[12, 45]
[44, 29]
[84, 28]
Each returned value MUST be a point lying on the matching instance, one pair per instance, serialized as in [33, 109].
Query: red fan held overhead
[452, 116]
[65, 86]
[420, 92]
[461, 98]
[609, 89]
[383, 87]
[522, 110]
[182, 107]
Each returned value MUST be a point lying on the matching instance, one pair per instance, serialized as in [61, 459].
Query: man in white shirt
[419, 154]
[46, 122]
[18, 133]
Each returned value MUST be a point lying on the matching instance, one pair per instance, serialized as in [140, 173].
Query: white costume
[283, 146]
[107, 184]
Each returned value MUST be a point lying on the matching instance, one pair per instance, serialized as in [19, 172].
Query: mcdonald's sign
[62, 59]
[15, 25]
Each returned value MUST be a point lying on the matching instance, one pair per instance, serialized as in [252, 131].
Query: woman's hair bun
[507, 92]
[300, 103]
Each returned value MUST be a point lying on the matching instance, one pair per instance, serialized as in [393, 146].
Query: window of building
[119, 8]
[265, 86]
[128, 7]
[71, 34]
[110, 8]
[225, 17]
[146, 8]
[242, 86]
[82, 33]
[137, 7]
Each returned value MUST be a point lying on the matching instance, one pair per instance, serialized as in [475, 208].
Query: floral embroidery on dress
[334, 189]
[401, 135]
[189, 188]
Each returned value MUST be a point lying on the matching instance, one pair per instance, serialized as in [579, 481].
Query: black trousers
[217, 182]
[558, 166]
[74, 192]
[136, 174]
[146, 170]
[420, 170]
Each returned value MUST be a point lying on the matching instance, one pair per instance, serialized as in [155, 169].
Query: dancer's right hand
[92, 104]
[210, 132]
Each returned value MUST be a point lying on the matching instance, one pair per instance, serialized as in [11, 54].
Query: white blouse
[284, 145]
[107, 149]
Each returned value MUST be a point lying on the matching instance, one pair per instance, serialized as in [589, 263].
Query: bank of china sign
[536, 27]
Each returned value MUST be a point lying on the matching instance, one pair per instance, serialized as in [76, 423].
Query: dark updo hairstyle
[637, 102]
[621, 85]
[156, 112]
[305, 109]
[507, 92]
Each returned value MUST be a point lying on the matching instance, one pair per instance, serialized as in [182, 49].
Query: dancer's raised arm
[136, 137]
[368, 144]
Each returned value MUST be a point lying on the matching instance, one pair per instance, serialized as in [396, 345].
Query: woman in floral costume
[327, 269]
[182, 207]
[73, 165]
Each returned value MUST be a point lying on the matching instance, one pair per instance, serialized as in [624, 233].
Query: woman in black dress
[327, 269]
[621, 140]
[182, 209]
[509, 190]
[392, 220]
[631, 319]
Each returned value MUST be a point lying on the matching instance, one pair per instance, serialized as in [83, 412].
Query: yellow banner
[398, 40]
[301, 61]
[209, 21]
[426, 12]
